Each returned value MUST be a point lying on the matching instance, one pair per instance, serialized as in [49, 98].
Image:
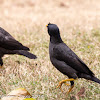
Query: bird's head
[53, 29]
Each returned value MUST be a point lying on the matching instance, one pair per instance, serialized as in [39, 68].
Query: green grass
[39, 77]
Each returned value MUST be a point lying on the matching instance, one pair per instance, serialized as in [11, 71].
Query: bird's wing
[8, 42]
[64, 53]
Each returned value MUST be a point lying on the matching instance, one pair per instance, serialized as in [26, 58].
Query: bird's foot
[1, 67]
[60, 84]
[67, 84]
[64, 81]
[70, 89]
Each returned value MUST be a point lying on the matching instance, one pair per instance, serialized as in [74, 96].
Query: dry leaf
[80, 93]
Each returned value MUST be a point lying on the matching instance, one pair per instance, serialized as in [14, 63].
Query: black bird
[65, 60]
[8, 45]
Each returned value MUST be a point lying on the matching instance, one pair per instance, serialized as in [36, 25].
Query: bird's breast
[51, 52]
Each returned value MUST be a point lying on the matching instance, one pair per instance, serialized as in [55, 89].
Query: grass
[26, 21]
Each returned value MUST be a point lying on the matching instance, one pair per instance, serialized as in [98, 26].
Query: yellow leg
[67, 84]
[61, 85]
[0, 66]
[70, 89]
[63, 81]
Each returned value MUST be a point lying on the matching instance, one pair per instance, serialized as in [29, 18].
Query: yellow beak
[46, 25]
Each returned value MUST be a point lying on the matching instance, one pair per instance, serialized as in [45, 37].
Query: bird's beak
[46, 25]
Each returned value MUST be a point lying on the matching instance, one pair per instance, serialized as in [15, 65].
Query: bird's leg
[1, 63]
[1, 66]
[61, 85]
[67, 84]
[63, 81]
[70, 89]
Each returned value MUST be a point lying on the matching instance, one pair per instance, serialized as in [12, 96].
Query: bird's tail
[95, 79]
[26, 54]
[89, 77]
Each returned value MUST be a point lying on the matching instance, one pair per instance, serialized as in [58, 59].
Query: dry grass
[79, 22]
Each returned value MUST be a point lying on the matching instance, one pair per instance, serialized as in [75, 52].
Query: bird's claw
[60, 84]
[0, 66]
[67, 84]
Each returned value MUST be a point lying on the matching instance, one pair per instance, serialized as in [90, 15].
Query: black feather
[64, 59]
[95, 80]
[8, 45]
[8, 42]
[26, 53]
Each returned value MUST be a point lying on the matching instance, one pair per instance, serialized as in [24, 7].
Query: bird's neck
[55, 39]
